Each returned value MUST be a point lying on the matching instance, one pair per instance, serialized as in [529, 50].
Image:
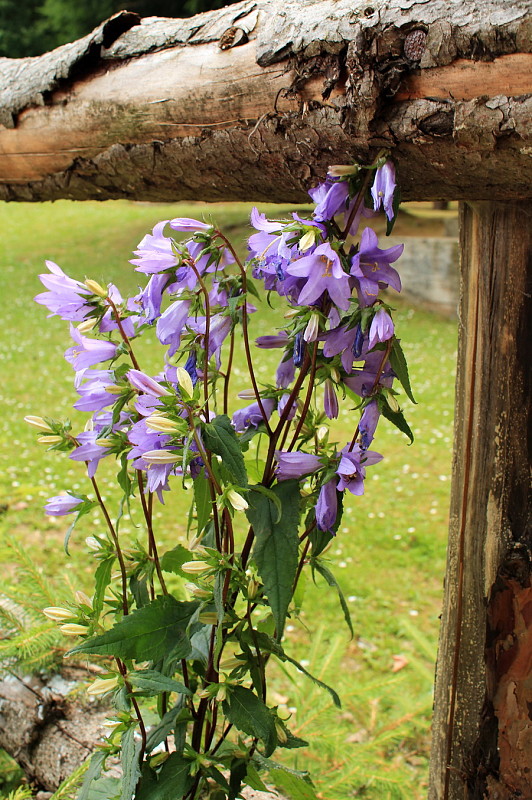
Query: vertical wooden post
[482, 734]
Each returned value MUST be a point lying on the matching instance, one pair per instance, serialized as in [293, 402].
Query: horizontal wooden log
[184, 109]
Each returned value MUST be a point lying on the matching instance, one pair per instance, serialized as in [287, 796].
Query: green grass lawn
[389, 555]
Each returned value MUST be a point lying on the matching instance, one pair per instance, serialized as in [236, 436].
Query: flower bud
[232, 662]
[160, 456]
[105, 442]
[236, 500]
[282, 738]
[158, 759]
[49, 439]
[197, 591]
[208, 617]
[392, 402]
[114, 389]
[157, 422]
[307, 240]
[185, 381]
[93, 544]
[313, 328]
[253, 588]
[58, 614]
[111, 724]
[341, 170]
[38, 422]
[247, 394]
[322, 432]
[87, 325]
[195, 567]
[72, 629]
[83, 599]
[95, 288]
[102, 686]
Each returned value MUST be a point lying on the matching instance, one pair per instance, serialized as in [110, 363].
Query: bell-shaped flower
[296, 464]
[352, 468]
[60, 505]
[155, 252]
[87, 352]
[364, 381]
[327, 506]
[330, 400]
[171, 324]
[383, 189]
[368, 423]
[371, 267]
[251, 416]
[331, 198]
[89, 451]
[324, 272]
[188, 225]
[349, 341]
[92, 387]
[66, 298]
[381, 328]
[285, 372]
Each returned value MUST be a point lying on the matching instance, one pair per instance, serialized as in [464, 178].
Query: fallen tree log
[255, 100]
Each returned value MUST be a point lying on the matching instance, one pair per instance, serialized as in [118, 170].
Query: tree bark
[482, 727]
[254, 101]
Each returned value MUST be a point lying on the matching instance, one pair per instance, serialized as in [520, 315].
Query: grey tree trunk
[254, 101]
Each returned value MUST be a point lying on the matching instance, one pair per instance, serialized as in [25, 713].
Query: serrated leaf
[271, 496]
[203, 502]
[102, 579]
[172, 782]
[397, 418]
[400, 367]
[220, 438]
[249, 714]
[173, 560]
[164, 728]
[276, 550]
[331, 580]
[94, 771]
[254, 780]
[130, 764]
[148, 634]
[151, 682]
[293, 786]
[104, 789]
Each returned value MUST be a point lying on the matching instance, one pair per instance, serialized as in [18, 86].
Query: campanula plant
[199, 654]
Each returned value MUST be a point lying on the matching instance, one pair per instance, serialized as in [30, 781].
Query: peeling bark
[217, 106]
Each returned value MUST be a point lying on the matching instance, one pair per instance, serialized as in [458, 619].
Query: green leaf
[248, 713]
[331, 580]
[172, 782]
[105, 789]
[271, 496]
[276, 549]
[202, 499]
[220, 438]
[397, 418]
[165, 727]
[102, 579]
[293, 786]
[130, 764]
[151, 682]
[148, 634]
[399, 366]
[254, 780]
[94, 771]
[173, 560]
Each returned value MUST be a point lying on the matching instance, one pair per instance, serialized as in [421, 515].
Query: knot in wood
[414, 44]
[232, 37]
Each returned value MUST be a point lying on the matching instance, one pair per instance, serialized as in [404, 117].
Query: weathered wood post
[253, 102]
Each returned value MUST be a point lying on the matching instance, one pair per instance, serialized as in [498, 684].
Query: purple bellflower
[383, 189]
[60, 505]
[154, 252]
[330, 400]
[343, 340]
[188, 225]
[364, 381]
[352, 468]
[381, 328]
[87, 352]
[251, 416]
[92, 386]
[89, 451]
[171, 323]
[327, 506]
[368, 423]
[296, 464]
[331, 197]
[371, 266]
[324, 272]
[285, 373]
[66, 297]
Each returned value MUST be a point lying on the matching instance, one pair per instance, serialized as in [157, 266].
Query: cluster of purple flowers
[194, 297]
